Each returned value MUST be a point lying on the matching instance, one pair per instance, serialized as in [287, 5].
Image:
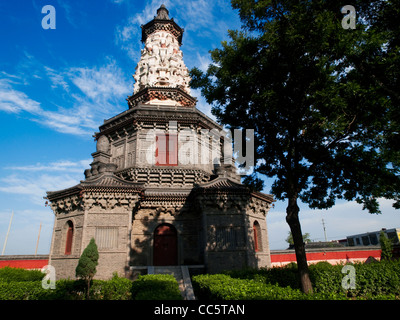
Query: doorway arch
[165, 245]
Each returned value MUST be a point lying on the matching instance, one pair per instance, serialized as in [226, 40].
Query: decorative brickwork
[127, 197]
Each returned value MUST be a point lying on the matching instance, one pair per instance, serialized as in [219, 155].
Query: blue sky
[57, 87]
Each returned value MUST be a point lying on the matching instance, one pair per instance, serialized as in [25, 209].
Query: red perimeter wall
[278, 258]
[330, 255]
[25, 262]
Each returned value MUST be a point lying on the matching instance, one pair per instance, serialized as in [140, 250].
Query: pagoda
[162, 189]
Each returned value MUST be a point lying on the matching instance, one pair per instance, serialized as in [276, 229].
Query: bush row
[156, 287]
[8, 274]
[148, 287]
[224, 287]
[379, 280]
[372, 280]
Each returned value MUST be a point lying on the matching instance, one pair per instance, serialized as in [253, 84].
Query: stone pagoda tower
[160, 190]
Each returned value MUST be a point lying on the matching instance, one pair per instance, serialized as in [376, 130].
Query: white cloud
[102, 89]
[105, 82]
[128, 35]
[33, 181]
[57, 79]
[203, 61]
[61, 165]
[198, 15]
[16, 101]
[35, 186]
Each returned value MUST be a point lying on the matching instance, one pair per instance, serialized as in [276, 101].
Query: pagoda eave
[161, 24]
[162, 93]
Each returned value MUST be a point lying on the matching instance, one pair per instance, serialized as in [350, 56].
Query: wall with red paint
[24, 261]
[278, 257]
[331, 255]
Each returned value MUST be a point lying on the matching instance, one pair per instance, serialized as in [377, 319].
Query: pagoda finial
[162, 13]
[161, 76]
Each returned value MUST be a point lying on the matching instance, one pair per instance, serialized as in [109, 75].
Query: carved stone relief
[67, 205]
[161, 64]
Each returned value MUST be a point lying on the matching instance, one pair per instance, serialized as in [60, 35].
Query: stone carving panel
[161, 64]
[67, 205]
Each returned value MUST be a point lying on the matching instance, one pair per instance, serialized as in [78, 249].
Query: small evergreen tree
[386, 247]
[86, 268]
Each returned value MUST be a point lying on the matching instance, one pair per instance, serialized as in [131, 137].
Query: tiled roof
[102, 182]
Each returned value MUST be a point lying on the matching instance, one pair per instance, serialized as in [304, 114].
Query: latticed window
[229, 238]
[106, 237]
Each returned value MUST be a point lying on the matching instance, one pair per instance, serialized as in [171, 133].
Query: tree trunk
[292, 218]
[88, 289]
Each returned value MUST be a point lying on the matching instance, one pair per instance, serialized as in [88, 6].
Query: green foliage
[379, 280]
[224, 287]
[86, 268]
[253, 183]
[328, 105]
[9, 274]
[283, 277]
[289, 239]
[386, 247]
[326, 277]
[148, 287]
[26, 290]
[115, 289]
[156, 287]
[323, 101]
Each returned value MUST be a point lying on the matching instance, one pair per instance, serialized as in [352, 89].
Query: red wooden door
[165, 251]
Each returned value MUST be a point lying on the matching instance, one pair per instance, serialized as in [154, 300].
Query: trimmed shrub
[224, 287]
[20, 290]
[281, 276]
[379, 280]
[326, 278]
[156, 287]
[115, 289]
[8, 274]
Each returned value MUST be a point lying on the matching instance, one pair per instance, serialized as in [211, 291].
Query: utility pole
[37, 242]
[323, 224]
[8, 231]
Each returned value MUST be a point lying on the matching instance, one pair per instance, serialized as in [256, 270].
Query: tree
[324, 117]
[289, 239]
[86, 268]
[386, 247]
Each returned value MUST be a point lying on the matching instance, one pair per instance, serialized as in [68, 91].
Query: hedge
[379, 280]
[375, 279]
[114, 289]
[156, 287]
[8, 274]
[20, 286]
[224, 287]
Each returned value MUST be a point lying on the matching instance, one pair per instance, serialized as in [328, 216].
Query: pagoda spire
[161, 76]
[162, 13]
